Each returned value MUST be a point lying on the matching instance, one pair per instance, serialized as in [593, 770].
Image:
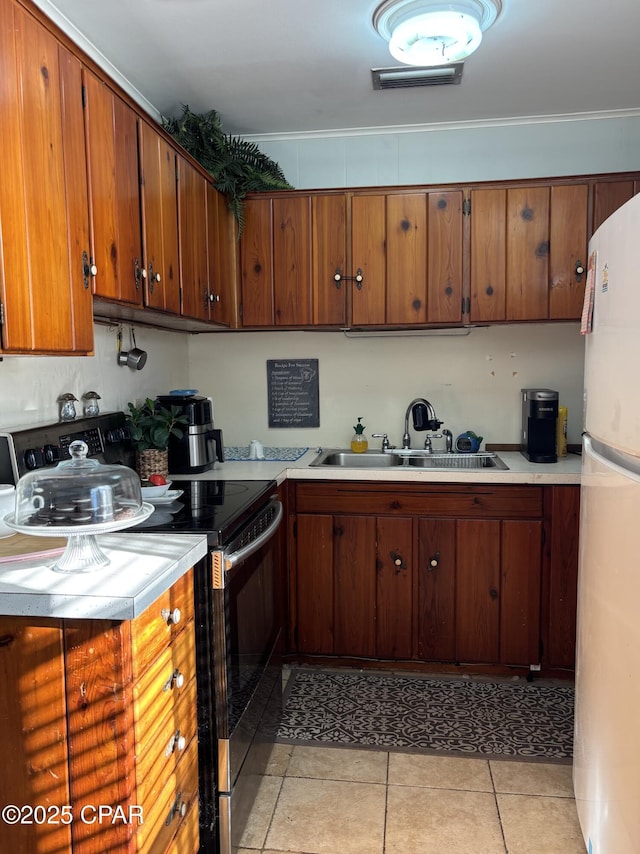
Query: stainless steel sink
[413, 459]
[460, 462]
[348, 459]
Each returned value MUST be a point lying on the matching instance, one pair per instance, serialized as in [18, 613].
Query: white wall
[473, 382]
[30, 385]
[534, 148]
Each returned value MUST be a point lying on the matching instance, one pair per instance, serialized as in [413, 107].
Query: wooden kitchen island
[98, 722]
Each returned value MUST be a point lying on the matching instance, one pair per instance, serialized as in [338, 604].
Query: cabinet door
[314, 584]
[329, 258]
[435, 586]
[33, 732]
[444, 272]
[256, 263]
[394, 587]
[568, 250]
[408, 247]
[355, 585]
[527, 245]
[561, 586]
[477, 590]
[527, 264]
[292, 261]
[406, 236]
[44, 226]
[112, 152]
[159, 207]
[222, 253]
[521, 559]
[368, 254]
[488, 255]
[192, 229]
[608, 196]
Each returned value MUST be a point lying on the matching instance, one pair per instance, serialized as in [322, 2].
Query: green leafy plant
[238, 166]
[151, 425]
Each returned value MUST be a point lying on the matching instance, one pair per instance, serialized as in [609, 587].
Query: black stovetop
[217, 508]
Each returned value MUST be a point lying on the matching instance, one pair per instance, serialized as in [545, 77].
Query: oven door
[247, 623]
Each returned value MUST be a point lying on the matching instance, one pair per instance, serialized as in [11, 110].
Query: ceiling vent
[410, 77]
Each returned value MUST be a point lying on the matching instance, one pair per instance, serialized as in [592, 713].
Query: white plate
[167, 498]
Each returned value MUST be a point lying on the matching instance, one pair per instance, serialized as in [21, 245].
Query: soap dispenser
[359, 443]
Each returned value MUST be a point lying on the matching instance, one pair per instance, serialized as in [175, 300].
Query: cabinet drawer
[159, 753]
[154, 629]
[452, 500]
[165, 681]
[187, 839]
[164, 816]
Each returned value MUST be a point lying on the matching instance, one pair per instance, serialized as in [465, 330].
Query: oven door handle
[236, 558]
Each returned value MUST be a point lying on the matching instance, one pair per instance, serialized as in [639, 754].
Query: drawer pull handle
[178, 808]
[176, 680]
[177, 742]
[171, 617]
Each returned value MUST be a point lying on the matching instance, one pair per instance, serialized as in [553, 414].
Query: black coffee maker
[201, 445]
[539, 417]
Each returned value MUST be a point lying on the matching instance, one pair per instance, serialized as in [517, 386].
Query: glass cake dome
[78, 498]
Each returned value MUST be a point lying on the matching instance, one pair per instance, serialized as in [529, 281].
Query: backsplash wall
[473, 382]
[30, 385]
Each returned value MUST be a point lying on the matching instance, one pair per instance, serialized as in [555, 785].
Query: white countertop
[142, 567]
[565, 471]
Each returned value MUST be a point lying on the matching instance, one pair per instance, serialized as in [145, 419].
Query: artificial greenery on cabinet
[237, 165]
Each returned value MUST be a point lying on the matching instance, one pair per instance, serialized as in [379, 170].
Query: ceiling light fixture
[428, 32]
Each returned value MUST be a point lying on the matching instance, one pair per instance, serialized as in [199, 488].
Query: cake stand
[82, 554]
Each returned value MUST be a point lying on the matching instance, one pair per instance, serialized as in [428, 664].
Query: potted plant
[150, 428]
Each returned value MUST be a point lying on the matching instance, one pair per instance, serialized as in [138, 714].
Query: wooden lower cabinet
[431, 574]
[98, 731]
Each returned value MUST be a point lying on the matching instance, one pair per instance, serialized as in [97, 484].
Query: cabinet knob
[176, 680]
[214, 297]
[176, 742]
[434, 561]
[398, 561]
[171, 617]
[579, 269]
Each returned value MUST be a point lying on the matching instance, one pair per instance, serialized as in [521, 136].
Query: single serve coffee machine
[539, 417]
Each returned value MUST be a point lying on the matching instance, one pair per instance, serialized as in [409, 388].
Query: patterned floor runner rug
[501, 718]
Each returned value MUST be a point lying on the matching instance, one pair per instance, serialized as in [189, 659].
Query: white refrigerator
[606, 765]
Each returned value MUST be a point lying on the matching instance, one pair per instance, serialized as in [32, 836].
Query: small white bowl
[155, 491]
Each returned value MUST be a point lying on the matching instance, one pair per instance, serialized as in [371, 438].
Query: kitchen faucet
[431, 422]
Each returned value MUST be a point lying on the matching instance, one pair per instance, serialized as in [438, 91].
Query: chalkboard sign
[293, 389]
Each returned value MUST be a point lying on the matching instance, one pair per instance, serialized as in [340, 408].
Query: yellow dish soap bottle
[359, 443]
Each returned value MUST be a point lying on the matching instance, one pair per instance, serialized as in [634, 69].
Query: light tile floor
[322, 800]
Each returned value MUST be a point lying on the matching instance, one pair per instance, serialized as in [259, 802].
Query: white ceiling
[281, 66]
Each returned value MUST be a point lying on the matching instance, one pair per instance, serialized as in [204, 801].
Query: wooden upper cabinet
[292, 260]
[368, 259]
[256, 263]
[222, 251]
[159, 209]
[112, 151]
[44, 233]
[192, 225]
[275, 261]
[608, 196]
[408, 247]
[568, 228]
[528, 252]
[329, 259]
